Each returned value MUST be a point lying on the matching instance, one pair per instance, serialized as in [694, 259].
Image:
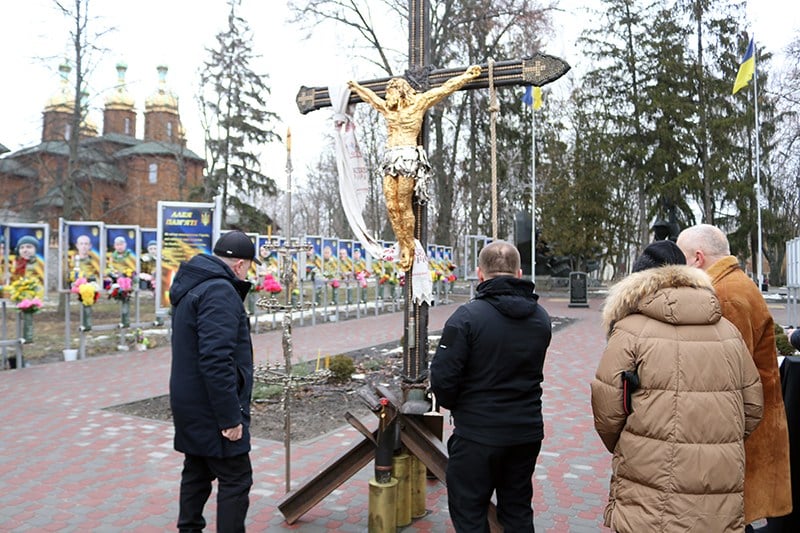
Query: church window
[153, 173]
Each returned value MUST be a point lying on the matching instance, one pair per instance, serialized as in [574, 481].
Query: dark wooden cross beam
[538, 70]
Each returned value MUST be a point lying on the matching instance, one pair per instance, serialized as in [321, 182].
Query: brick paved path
[68, 465]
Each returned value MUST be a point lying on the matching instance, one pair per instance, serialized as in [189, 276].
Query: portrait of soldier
[27, 261]
[85, 262]
[121, 260]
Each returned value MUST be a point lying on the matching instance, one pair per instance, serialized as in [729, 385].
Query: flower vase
[393, 292]
[381, 288]
[86, 317]
[295, 300]
[124, 313]
[27, 327]
[251, 303]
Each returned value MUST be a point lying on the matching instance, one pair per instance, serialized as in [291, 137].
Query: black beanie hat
[659, 253]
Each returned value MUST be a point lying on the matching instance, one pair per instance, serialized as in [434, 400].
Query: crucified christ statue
[405, 166]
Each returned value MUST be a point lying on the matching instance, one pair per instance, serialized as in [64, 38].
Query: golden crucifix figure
[405, 165]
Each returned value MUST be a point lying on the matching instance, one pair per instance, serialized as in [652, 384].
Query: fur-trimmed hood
[667, 294]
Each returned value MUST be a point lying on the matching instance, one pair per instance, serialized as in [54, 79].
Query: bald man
[767, 483]
[488, 371]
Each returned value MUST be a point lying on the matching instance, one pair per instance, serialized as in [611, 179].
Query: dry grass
[49, 329]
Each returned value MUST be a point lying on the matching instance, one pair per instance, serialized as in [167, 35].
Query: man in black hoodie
[488, 372]
[211, 382]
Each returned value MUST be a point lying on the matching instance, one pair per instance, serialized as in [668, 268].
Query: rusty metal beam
[297, 503]
[361, 428]
[426, 446]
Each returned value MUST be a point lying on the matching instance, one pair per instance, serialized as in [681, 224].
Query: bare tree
[84, 45]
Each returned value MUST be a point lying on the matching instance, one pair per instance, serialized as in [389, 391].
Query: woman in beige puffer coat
[679, 459]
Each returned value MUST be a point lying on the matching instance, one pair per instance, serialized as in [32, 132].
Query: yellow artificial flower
[87, 292]
[24, 288]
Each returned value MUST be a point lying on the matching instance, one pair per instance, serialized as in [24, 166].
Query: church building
[119, 176]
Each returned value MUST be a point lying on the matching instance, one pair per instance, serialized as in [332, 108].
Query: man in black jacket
[211, 382]
[488, 372]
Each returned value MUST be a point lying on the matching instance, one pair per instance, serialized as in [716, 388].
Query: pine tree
[236, 120]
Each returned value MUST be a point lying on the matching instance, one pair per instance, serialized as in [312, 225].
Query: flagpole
[533, 194]
[758, 168]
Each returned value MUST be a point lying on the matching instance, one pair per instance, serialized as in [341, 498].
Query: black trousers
[475, 471]
[234, 477]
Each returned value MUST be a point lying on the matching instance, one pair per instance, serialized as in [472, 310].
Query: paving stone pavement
[68, 465]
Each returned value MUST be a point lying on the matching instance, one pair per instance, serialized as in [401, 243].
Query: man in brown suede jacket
[767, 483]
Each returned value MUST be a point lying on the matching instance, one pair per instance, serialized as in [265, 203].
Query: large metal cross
[537, 71]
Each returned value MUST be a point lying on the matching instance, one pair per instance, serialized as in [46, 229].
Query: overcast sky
[148, 33]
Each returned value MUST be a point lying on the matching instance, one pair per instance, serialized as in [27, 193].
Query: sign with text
[184, 230]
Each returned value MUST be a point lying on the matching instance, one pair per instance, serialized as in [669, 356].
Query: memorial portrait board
[122, 244]
[345, 257]
[185, 229]
[314, 257]
[268, 257]
[27, 253]
[361, 263]
[148, 257]
[330, 265]
[82, 256]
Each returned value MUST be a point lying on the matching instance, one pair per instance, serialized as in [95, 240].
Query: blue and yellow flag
[533, 96]
[746, 69]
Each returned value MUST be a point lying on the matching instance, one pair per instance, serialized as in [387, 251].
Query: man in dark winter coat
[212, 381]
[488, 372]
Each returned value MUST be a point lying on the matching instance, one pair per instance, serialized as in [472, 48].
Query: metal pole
[287, 316]
[758, 170]
[533, 194]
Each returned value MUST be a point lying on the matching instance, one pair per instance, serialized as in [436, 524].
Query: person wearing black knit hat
[674, 396]
[794, 339]
[659, 253]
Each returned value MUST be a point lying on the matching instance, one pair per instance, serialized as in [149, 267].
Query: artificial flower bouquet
[30, 305]
[87, 291]
[23, 289]
[271, 285]
[121, 289]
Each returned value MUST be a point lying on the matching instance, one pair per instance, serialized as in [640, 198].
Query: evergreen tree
[236, 121]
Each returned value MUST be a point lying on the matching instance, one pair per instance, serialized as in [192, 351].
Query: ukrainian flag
[533, 96]
[746, 69]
